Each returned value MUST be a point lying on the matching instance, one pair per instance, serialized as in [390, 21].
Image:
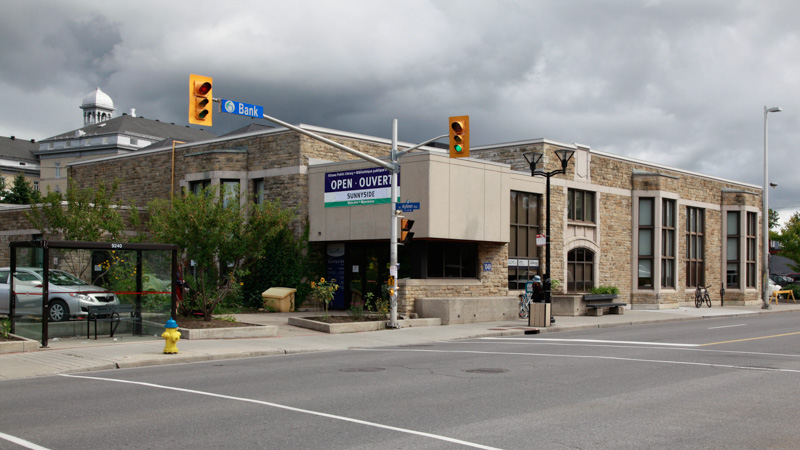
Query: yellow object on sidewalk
[172, 336]
[775, 295]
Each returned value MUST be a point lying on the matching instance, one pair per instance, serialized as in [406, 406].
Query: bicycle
[700, 296]
[525, 305]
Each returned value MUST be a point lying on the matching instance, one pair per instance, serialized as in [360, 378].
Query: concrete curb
[23, 345]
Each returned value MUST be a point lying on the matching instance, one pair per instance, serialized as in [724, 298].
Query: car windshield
[60, 278]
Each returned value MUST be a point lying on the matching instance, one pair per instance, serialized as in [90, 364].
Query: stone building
[652, 231]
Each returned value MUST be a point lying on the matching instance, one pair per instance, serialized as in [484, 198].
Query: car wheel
[59, 311]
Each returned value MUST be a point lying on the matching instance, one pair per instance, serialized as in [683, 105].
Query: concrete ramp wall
[468, 309]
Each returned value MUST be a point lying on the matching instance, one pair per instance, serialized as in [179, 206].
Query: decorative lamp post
[765, 217]
[533, 159]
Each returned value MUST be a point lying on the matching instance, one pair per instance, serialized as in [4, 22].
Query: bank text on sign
[242, 109]
[359, 187]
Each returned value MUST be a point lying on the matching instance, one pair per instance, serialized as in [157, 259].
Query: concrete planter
[23, 345]
[256, 331]
[357, 327]
[599, 297]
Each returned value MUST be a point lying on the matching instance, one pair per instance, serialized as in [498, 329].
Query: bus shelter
[90, 281]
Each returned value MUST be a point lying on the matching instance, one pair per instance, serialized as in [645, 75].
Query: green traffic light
[458, 148]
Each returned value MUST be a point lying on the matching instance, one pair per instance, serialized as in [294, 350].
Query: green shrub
[605, 290]
[5, 327]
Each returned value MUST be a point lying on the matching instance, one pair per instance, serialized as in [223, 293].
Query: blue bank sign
[359, 187]
[242, 109]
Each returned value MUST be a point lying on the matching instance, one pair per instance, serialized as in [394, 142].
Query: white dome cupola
[97, 107]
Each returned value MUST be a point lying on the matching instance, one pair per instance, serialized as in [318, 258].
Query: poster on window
[359, 187]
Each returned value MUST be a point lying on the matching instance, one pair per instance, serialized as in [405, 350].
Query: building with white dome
[97, 107]
[104, 135]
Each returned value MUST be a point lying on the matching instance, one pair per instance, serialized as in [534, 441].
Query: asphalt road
[715, 383]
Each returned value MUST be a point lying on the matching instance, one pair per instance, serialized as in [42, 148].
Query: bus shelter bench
[114, 314]
[596, 309]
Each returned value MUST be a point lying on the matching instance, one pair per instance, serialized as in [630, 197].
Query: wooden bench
[114, 314]
[775, 295]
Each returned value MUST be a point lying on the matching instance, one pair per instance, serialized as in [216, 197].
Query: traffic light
[459, 136]
[200, 100]
[405, 231]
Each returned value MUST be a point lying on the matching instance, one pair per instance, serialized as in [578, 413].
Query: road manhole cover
[363, 369]
[486, 370]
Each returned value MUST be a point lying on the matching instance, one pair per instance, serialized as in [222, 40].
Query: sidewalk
[82, 355]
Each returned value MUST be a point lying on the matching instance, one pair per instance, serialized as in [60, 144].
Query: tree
[217, 237]
[20, 193]
[84, 215]
[774, 219]
[790, 240]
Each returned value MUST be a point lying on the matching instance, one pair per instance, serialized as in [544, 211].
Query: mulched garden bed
[199, 324]
[346, 319]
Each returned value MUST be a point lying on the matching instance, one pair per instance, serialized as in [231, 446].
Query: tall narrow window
[230, 192]
[695, 261]
[752, 226]
[646, 230]
[732, 249]
[523, 254]
[668, 243]
[58, 170]
[580, 270]
[258, 190]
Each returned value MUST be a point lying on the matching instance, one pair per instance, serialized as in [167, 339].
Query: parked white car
[69, 296]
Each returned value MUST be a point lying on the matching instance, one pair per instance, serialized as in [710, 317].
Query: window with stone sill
[580, 206]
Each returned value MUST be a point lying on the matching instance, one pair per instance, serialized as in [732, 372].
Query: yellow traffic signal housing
[405, 230]
[459, 136]
[200, 100]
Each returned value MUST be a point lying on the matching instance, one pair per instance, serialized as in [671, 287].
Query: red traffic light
[200, 100]
[204, 88]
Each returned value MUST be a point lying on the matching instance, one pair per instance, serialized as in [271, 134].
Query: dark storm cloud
[680, 83]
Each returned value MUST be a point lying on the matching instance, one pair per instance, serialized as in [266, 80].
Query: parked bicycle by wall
[701, 296]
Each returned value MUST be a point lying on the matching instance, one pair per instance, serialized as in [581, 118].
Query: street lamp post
[765, 216]
[533, 159]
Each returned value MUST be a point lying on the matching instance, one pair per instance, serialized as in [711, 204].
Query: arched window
[580, 270]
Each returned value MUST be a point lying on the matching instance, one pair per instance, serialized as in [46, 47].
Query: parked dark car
[782, 280]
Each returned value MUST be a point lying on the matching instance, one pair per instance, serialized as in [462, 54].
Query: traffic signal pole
[394, 168]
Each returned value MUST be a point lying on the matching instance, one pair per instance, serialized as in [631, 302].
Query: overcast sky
[681, 83]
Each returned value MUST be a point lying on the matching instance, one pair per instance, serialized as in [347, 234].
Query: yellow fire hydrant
[172, 336]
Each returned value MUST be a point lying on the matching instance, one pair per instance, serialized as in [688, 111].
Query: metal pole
[765, 217]
[765, 224]
[548, 281]
[335, 144]
[393, 228]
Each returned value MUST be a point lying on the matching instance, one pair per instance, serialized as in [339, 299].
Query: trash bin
[539, 315]
[279, 298]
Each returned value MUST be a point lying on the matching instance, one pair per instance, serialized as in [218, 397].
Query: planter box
[256, 331]
[25, 345]
[599, 297]
[357, 327]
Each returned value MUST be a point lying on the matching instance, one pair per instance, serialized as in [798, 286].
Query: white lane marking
[728, 326]
[613, 358]
[567, 344]
[21, 442]
[591, 341]
[290, 408]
